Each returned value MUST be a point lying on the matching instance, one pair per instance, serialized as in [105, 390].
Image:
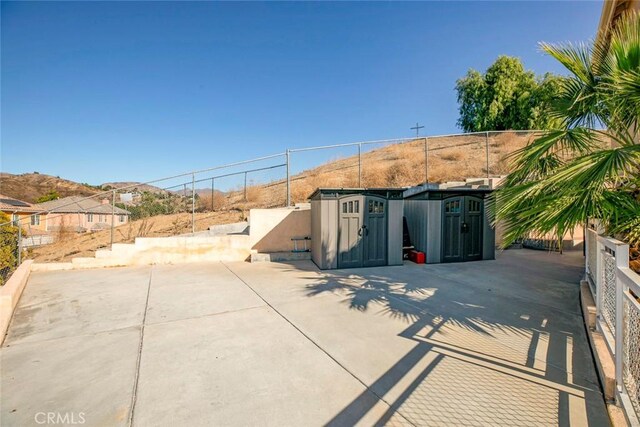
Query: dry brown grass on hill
[85, 244]
[30, 186]
[450, 159]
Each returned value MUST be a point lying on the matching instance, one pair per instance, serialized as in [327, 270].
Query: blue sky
[98, 91]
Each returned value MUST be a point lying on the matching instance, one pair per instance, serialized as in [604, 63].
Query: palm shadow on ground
[454, 321]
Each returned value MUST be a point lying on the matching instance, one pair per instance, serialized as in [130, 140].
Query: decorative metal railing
[618, 313]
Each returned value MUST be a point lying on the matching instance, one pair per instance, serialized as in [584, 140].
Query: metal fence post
[113, 215]
[288, 154]
[360, 165]
[486, 143]
[586, 251]
[622, 261]
[184, 196]
[193, 203]
[600, 269]
[19, 244]
[245, 186]
[213, 191]
[426, 161]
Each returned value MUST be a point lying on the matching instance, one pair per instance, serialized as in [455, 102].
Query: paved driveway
[483, 343]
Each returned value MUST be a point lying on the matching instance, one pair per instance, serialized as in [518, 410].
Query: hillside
[30, 186]
[450, 159]
[70, 245]
[132, 186]
[397, 165]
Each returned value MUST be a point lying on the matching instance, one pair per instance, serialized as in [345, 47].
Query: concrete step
[280, 256]
[104, 253]
[86, 262]
[121, 246]
[122, 250]
[51, 266]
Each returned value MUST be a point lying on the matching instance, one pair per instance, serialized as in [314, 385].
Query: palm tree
[588, 166]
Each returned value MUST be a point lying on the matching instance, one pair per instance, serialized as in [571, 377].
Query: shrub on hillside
[51, 195]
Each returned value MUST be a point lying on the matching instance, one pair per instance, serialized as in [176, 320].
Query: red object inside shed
[417, 257]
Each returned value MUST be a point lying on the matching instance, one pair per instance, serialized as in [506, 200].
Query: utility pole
[417, 127]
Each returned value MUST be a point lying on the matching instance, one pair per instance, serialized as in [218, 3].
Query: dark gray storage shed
[356, 227]
[450, 224]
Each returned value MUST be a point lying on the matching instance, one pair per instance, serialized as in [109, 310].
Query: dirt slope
[450, 158]
[30, 186]
[132, 186]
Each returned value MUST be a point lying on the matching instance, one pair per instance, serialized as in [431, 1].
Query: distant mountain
[31, 186]
[132, 186]
[199, 191]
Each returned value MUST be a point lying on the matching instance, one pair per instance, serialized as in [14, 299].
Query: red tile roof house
[81, 214]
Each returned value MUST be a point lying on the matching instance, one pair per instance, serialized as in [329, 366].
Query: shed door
[375, 232]
[473, 230]
[350, 245]
[462, 229]
[451, 229]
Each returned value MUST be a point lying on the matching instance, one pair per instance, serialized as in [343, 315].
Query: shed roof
[334, 193]
[435, 192]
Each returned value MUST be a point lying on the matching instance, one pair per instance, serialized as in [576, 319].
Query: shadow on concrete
[486, 336]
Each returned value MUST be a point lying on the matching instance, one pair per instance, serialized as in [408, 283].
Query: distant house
[24, 213]
[81, 214]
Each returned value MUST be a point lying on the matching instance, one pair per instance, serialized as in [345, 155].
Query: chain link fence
[191, 202]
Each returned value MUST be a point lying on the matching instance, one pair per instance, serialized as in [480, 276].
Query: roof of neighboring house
[9, 204]
[79, 204]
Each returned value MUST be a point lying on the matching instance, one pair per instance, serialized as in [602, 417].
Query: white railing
[38, 240]
[617, 290]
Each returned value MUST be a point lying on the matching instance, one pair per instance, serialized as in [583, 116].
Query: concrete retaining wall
[162, 250]
[10, 295]
[272, 229]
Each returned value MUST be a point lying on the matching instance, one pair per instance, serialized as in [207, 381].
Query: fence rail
[295, 174]
[617, 313]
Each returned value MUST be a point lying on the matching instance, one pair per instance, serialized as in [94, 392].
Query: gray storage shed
[450, 224]
[356, 227]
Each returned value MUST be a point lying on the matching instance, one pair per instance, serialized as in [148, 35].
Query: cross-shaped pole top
[417, 127]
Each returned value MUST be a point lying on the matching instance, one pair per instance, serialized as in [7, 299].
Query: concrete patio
[481, 343]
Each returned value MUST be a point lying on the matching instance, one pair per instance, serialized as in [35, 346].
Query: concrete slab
[68, 303]
[85, 377]
[248, 367]
[479, 323]
[484, 343]
[196, 290]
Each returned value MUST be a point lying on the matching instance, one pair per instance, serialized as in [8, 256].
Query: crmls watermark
[66, 418]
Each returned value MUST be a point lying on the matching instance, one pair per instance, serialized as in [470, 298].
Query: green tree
[588, 166]
[8, 246]
[51, 195]
[505, 97]
[152, 204]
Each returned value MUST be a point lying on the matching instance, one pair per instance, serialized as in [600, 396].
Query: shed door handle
[465, 227]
